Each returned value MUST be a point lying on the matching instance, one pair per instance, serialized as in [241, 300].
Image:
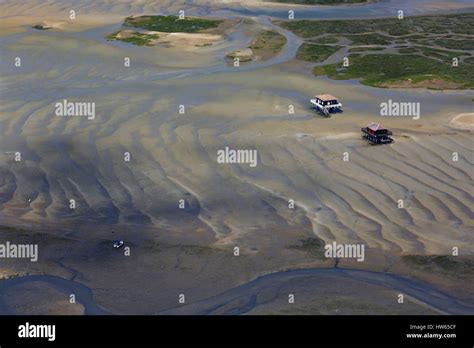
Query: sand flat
[463, 121]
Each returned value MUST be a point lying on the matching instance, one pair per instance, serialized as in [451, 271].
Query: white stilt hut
[326, 104]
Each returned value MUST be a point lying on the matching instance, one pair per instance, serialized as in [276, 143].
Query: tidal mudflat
[144, 170]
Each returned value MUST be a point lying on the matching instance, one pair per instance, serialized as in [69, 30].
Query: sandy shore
[183, 41]
[463, 121]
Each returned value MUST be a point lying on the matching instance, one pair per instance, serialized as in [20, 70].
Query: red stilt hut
[376, 134]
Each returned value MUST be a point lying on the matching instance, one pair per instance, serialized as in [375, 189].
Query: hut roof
[325, 97]
[374, 126]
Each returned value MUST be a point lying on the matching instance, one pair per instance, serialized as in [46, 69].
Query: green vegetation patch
[456, 44]
[364, 49]
[424, 64]
[311, 28]
[369, 39]
[316, 53]
[408, 50]
[325, 40]
[268, 42]
[440, 54]
[459, 23]
[136, 38]
[380, 70]
[469, 60]
[172, 24]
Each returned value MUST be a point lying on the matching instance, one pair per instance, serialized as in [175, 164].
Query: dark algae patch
[40, 27]
[451, 265]
[313, 246]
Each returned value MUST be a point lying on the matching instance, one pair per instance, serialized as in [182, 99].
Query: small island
[40, 27]
[265, 45]
[133, 37]
[193, 32]
[170, 30]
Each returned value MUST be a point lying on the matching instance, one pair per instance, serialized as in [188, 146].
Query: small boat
[118, 244]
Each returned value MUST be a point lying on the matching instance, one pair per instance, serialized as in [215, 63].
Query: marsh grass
[434, 41]
[172, 24]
